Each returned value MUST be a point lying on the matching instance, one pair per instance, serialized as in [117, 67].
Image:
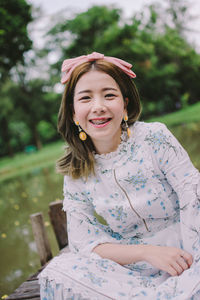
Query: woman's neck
[107, 145]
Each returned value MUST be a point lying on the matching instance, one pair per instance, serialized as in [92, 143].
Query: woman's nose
[98, 106]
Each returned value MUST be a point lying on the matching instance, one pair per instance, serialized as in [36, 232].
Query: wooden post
[41, 239]
[59, 223]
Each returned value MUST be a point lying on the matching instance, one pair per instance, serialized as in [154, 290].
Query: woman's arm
[84, 230]
[174, 163]
[169, 259]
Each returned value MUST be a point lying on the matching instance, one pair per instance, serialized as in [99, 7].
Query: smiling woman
[134, 175]
[87, 96]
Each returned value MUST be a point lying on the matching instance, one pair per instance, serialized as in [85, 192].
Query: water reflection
[20, 197]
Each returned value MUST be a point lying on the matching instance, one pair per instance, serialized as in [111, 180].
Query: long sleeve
[84, 230]
[174, 163]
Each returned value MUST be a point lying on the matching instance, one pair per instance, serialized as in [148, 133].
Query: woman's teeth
[98, 122]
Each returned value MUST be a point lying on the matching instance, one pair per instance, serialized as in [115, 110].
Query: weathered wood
[30, 289]
[27, 290]
[59, 222]
[41, 239]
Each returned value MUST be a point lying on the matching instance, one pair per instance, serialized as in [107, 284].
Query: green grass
[23, 163]
[188, 115]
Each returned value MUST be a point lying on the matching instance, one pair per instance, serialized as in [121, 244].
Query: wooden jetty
[29, 290]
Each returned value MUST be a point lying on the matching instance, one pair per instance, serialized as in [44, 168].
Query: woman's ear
[74, 118]
[126, 100]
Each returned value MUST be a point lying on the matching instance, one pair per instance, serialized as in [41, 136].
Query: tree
[82, 33]
[6, 109]
[28, 115]
[34, 104]
[170, 72]
[167, 67]
[178, 11]
[14, 42]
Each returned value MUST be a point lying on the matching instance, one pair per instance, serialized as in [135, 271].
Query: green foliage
[179, 14]
[14, 40]
[46, 130]
[28, 115]
[82, 34]
[167, 67]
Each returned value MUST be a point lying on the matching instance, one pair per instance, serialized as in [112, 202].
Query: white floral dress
[147, 192]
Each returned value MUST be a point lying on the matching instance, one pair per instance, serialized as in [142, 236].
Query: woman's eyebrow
[84, 91]
[109, 88]
[104, 89]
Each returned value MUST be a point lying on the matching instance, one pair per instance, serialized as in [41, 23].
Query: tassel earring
[82, 134]
[126, 124]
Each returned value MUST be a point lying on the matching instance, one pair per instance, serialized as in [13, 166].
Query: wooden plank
[30, 289]
[59, 223]
[27, 290]
[41, 239]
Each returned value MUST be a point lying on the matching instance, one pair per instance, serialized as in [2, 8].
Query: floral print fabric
[146, 192]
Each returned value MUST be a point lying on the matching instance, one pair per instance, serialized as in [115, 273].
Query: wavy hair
[79, 160]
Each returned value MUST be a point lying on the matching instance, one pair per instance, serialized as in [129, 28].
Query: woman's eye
[110, 95]
[84, 98]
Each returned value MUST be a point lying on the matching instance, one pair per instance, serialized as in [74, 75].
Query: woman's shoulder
[73, 185]
[156, 136]
[147, 126]
[143, 129]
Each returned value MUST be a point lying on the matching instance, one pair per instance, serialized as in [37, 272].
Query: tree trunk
[6, 136]
[36, 137]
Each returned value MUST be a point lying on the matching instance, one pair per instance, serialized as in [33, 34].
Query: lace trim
[107, 162]
[124, 142]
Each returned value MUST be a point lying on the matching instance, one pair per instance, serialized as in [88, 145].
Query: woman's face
[99, 108]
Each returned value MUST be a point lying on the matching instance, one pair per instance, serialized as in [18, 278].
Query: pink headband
[70, 64]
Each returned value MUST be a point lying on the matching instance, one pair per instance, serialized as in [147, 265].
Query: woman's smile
[100, 122]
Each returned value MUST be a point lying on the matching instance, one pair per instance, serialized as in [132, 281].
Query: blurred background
[160, 39]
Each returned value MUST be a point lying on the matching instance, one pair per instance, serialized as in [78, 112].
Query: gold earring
[82, 134]
[126, 124]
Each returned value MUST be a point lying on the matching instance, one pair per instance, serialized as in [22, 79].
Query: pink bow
[70, 64]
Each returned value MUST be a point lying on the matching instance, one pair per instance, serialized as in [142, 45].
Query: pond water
[19, 198]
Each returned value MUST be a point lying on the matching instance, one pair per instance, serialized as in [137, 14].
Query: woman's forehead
[95, 80]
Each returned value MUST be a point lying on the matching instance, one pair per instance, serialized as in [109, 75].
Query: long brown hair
[79, 159]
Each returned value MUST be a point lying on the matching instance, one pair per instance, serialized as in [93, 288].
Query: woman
[132, 196]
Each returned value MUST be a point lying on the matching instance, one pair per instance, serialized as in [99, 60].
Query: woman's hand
[169, 259]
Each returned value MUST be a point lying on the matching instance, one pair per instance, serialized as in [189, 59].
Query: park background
[159, 39]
